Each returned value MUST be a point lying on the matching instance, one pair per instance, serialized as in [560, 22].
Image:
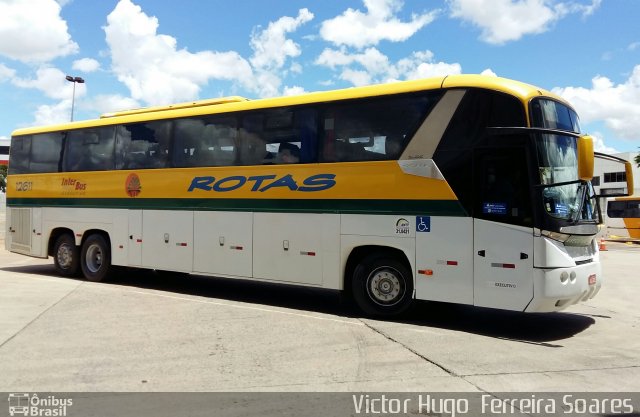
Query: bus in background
[623, 219]
[4, 151]
[463, 189]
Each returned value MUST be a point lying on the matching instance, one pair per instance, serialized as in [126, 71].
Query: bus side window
[89, 150]
[265, 135]
[373, 129]
[205, 141]
[19, 155]
[143, 145]
[46, 151]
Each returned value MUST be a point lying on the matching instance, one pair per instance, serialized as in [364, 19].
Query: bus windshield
[550, 114]
[564, 195]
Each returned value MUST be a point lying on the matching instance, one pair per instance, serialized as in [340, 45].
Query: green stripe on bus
[418, 207]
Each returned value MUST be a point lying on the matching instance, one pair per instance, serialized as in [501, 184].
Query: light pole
[74, 80]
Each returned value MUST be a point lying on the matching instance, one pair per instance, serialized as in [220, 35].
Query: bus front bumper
[559, 288]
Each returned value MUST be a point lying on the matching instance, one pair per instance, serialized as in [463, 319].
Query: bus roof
[524, 92]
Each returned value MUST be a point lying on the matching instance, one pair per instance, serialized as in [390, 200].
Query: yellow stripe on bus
[382, 180]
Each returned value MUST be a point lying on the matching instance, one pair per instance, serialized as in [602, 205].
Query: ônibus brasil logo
[25, 404]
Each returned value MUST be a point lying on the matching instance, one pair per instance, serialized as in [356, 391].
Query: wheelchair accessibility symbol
[423, 224]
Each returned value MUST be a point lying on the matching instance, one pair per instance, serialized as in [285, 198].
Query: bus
[623, 219]
[462, 189]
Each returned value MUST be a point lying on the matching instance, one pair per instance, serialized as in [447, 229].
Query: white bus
[462, 189]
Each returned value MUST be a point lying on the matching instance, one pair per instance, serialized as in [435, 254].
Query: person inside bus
[288, 153]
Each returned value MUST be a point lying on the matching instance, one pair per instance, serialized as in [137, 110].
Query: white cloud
[154, 69]
[53, 114]
[376, 67]
[296, 68]
[618, 105]
[361, 29]
[489, 72]
[600, 146]
[271, 47]
[293, 91]
[51, 81]
[33, 31]
[503, 21]
[86, 65]
[356, 77]
[421, 65]
[110, 103]
[633, 46]
[6, 73]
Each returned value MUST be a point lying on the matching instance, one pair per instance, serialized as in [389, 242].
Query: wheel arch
[359, 253]
[54, 235]
[101, 232]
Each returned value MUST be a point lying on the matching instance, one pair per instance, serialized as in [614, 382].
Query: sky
[137, 53]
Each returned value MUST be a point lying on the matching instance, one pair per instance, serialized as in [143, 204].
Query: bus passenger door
[135, 238]
[503, 234]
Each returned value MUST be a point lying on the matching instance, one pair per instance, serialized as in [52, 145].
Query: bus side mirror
[628, 168]
[585, 158]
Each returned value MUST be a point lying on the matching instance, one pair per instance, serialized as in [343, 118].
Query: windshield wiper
[581, 196]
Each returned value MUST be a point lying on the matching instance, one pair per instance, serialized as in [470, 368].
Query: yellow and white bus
[623, 219]
[463, 189]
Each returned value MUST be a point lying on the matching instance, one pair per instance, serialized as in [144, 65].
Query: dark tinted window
[19, 157]
[205, 141]
[143, 145]
[90, 149]
[4, 150]
[278, 136]
[478, 110]
[501, 184]
[623, 209]
[44, 152]
[372, 129]
[550, 114]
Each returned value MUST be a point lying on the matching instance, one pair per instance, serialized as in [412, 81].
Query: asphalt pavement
[150, 332]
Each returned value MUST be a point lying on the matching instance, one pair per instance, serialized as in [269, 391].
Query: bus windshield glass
[564, 195]
[550, 114]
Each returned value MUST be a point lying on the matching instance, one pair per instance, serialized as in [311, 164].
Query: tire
[96, 258]
[66, 256]
[382, 286]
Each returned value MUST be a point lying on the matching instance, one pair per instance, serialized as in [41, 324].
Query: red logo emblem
[132, 185]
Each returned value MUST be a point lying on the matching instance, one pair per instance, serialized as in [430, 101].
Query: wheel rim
[94, 258]
[64, 256]
[385, 286]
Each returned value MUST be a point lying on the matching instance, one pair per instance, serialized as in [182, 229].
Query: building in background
[609, 177]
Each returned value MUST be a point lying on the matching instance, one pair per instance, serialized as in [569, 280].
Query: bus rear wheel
[66, 256]
[95, 259]
[382, 286]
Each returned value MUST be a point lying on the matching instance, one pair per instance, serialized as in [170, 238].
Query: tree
[638, 160]
[3, 178]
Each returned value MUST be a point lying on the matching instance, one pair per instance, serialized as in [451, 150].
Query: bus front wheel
[66, 256]
[96, 258]
[382, 286]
